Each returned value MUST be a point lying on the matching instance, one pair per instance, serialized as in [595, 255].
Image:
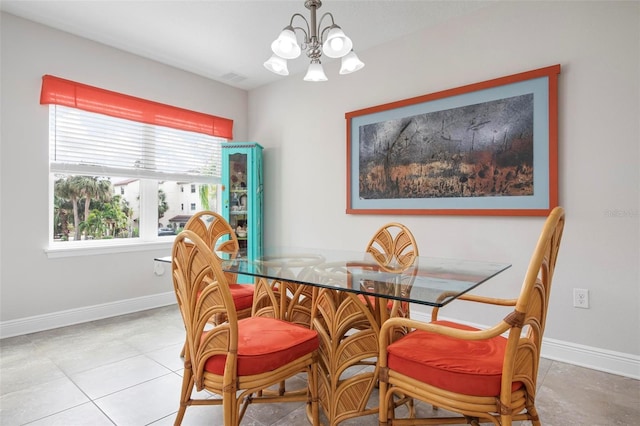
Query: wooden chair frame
[524, 327]
[395, 249]
[219, 236]
[202, 292]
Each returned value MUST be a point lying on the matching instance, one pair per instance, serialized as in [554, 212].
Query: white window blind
[87, 143]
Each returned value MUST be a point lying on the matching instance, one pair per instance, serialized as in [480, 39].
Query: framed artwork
[488, 148]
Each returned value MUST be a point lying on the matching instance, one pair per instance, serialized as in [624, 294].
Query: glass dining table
[346, 296]
[431, 277]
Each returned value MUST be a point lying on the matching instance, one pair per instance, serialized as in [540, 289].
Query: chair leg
[383, 404]
[230, 407]
[535, 420]
[313, 394]
[244, 404]
[185, 394]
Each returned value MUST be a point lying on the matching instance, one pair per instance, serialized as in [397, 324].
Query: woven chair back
[530, 314]
[217, 233]
[394, 247]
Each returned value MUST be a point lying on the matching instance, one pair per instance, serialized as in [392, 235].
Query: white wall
[302, 127]
[34, 286]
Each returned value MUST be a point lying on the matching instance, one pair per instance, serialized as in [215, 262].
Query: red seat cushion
[364, 298]
[265, 344]
[462, 366]
[372, 300]
[242, 295]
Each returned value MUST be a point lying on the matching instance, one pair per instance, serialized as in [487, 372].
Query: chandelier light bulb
[337, 44]
[286, 45]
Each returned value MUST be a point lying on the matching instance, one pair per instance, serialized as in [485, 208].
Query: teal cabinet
[242, 197]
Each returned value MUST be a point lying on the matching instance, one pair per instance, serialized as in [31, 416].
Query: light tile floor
[126, 371]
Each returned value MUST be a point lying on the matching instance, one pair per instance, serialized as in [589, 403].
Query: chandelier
[329, 40]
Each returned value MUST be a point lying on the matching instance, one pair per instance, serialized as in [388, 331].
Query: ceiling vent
[233, 77]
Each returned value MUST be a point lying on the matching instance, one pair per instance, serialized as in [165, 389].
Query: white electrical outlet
[581, 298]
[158, 268]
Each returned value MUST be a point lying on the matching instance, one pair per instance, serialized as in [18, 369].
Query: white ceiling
[229, 41]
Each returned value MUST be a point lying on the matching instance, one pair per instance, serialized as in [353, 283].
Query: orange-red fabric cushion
[242, 295]
[265, 344]
[462, 366]
[372, 299]
[364, 298]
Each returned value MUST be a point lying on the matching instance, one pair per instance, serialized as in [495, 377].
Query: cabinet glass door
[242, 195]
[238, 198]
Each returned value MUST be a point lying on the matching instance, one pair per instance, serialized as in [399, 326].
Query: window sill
[91, 248]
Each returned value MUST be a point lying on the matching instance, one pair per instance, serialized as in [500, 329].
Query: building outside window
[119, 179]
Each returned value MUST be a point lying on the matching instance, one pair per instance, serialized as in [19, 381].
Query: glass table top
[429, 280]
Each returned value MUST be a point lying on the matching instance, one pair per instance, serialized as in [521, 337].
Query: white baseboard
[85, 314]
[618, 363]
[622, 364]
[595, 358]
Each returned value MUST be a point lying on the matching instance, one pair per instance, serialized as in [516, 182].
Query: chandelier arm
[306, 35]
[328, 27]
[308, 30]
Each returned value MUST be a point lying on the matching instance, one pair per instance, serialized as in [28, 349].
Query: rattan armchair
[239, 358]
[216, 232]
[481, 375]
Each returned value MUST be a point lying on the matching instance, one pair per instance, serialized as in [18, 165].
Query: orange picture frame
[488, 148]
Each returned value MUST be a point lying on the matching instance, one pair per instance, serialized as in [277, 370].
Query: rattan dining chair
[395, 249]
[476, 373]
[240, 357]
[216, 232]
[393, 246]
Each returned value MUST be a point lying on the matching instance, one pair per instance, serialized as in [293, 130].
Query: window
[193, 189]
[117, 178]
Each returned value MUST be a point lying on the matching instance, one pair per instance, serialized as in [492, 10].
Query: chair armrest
[488, 300]
[473, 298]
[386, 331]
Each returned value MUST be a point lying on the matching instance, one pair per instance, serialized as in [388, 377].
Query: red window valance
[59, 91]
